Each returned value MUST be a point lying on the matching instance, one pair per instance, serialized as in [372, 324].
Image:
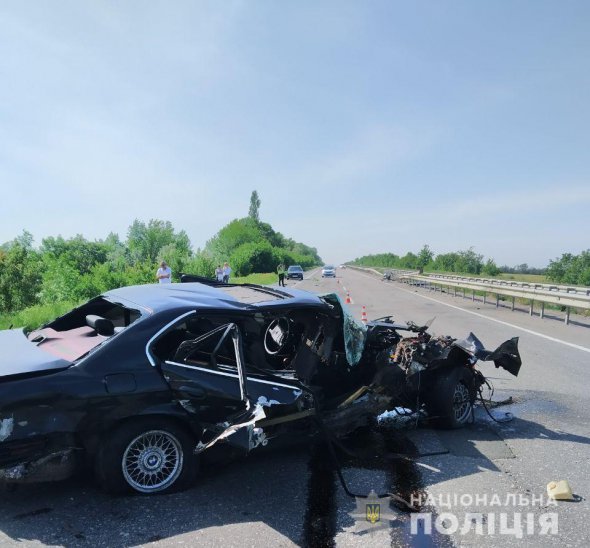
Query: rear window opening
[76, 333]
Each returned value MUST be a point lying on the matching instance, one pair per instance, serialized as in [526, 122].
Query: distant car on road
[295, 272]
[328, 271]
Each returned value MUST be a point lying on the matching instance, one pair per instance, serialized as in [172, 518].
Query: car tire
[147, 456]
[450, 401]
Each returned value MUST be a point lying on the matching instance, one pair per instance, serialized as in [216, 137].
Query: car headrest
[101, 325]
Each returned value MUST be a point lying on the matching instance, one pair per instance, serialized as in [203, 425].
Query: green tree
[77, 252]
[231, 236]
[177, 259]
[557, 268]
[571, 269]
[60, 281]
[409, 260]
[145, 241]
[20, 274]
[275, 239]
[201, 264]
[255, 257]
[469, 262]
[446, 262]
[424, 257]
[117, 253]
[253, 211]
[490, 268]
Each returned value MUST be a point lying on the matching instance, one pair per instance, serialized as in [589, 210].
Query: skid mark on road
[319, 528]
[530, 331]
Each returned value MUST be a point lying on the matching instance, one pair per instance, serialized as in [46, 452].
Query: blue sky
[364, 126]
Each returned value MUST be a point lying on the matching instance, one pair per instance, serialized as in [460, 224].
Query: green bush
[20, 276]
[571, 269]
[200, 265]
[254, 257]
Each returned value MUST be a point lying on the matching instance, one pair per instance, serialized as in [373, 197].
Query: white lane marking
[427, 466]
[577, 346]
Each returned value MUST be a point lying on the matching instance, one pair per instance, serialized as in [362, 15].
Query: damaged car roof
[160, 297]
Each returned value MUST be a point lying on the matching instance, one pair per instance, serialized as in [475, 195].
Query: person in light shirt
[164, 274]
[226, 272]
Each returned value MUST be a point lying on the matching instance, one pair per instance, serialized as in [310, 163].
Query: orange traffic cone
[348, 301]
[364, 315]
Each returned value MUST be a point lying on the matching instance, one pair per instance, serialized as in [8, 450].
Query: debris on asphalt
[560, 490]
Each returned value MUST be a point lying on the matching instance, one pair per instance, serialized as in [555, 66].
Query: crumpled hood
[19, 355]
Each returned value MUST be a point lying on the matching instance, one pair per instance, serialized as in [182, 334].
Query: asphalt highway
[291, 495]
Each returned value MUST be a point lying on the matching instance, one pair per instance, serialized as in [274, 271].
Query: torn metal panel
[52, 467]
[230, 429]
[6, 428]
[265, 402]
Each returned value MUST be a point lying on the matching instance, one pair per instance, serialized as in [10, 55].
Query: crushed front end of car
[437, 374]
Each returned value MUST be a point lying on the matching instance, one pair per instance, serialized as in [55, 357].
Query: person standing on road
[281, 273]
[219, 273]
[226, 272]
[164, 273]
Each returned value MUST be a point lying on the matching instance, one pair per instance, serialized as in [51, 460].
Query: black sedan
[295, 272]
[139, 382]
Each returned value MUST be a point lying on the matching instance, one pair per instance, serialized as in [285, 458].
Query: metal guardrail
[567, 296]
[396, 272]
[514, 283]
[564, 298]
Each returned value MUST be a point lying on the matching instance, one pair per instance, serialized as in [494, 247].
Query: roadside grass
[260, 279]
[531, 278]
[35, 316]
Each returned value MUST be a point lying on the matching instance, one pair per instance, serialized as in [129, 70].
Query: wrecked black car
[139, 382]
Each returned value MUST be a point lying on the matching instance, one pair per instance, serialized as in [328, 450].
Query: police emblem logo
[373, 513]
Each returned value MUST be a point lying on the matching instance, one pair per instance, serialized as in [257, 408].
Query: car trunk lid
[20, 356]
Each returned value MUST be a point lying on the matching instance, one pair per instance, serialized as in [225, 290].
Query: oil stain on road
[371, 448]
